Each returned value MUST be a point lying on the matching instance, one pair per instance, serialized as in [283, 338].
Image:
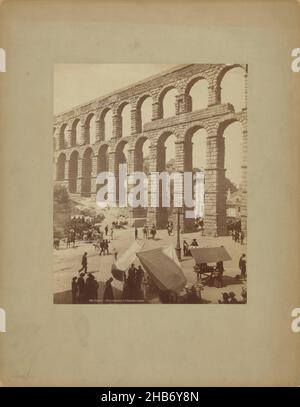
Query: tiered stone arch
[106, 154]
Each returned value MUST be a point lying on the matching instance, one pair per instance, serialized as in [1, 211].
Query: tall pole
[178, 248]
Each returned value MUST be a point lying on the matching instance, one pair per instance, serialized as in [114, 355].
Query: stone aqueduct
[77, 164]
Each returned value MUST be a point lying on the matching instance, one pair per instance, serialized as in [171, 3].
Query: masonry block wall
[77, 161]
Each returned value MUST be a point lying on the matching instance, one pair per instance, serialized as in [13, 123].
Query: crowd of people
[187, 247]
[234, 229]
[151, 231]
[93, 234]
[230, 298]
[132, 288]
[84, 288]
[147, 231]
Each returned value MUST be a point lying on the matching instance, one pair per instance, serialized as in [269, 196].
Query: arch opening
[168, 103]
[62, 137]
[166, 161]
[143, 113]
[232, 88]
[107, 124]
[141, 164]
[90, 123]
[199, 94]
[75, 133]
[233, 139]
[195, 162]
[102, 162]
[142, 155]
[126, 120]
[122, 152]
[73, 172]
[60, 167]
[86, 181]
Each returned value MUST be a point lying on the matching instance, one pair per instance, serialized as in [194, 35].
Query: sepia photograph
[150, 184]
[135, 206]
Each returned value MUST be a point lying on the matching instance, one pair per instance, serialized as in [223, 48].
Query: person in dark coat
[89, 287]
[83, 263]
[145, 232]
[201, 224]
[74, 290]
[130, 288]
[108, 295]
[242, 266]
[102, 248]
[194, 243]
[153, 231]
[136, 232]
[192, 296]
[139, 277]
[186, 249]
[225, 299]
[242, 237]
[81, 289]
[115, 253]
[232, 299]
[106, 230]
[244, 296]
[220, 271]
[132, 271]
[94, 288]
[105, 246]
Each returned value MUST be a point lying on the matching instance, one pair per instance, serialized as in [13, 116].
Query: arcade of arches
[192, 117]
